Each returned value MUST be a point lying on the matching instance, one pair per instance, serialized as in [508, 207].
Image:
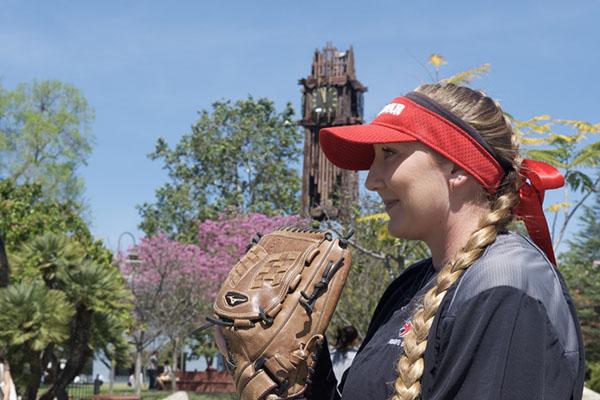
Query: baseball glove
[274, 308]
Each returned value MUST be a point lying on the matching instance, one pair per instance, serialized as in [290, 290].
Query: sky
[147, 67]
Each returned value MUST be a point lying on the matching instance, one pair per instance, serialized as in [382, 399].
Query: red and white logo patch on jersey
[398, 341]
[407, 327]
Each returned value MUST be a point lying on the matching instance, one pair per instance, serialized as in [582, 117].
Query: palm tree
[32, 317]
[72, 305]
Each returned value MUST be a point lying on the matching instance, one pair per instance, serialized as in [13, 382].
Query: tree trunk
[182, 360]
[4, 268]
[78, 354]
[111, 376]
[137, 372]
[33, 380]
[49, 358]
[174, 369]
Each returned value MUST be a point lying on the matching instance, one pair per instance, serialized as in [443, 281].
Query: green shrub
[594, 380]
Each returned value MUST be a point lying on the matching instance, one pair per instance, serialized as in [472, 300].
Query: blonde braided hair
[485, 115]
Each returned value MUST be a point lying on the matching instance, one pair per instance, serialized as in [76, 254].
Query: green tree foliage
[202, 344]
[88, 299]
[26, 212]
[45, 136]
[580, 266]
[564, 144]
[238, 156]
[32, 318]
[69, 298]
[461, 78]
[594, 381]
[466, 77]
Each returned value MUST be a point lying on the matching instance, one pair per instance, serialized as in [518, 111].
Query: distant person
[165, 377]
[97, 383]
[131, 379]
[7, 386]
[345, 348]
[152, 370]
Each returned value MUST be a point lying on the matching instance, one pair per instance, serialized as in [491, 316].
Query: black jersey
[507, 329]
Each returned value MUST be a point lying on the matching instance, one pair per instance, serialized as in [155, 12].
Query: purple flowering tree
[224, 240]
[174, 284]
[169, 281]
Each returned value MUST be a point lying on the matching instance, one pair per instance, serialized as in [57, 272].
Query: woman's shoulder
[515, 266]
[512, 261]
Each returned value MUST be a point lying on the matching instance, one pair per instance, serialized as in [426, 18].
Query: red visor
[405, 120]
[351, 147]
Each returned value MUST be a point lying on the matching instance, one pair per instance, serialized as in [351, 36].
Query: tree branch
[563, 229]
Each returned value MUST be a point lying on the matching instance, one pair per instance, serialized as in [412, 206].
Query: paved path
[590, 395]
[177, 396]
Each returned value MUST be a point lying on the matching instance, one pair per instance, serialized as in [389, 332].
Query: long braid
[498, 133]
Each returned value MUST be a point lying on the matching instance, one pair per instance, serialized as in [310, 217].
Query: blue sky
[146, 67]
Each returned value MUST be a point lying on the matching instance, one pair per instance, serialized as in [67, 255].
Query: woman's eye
[387, 152]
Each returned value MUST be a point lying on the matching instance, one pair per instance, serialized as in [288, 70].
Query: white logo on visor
[393, 108]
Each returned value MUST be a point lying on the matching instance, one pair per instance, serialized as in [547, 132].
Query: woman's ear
[457, 177]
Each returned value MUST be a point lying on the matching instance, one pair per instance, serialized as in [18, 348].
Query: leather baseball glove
[274, 308]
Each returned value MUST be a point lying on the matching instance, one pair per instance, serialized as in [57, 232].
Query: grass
[159, 395]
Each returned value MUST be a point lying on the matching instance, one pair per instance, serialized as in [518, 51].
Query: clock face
[324, 100]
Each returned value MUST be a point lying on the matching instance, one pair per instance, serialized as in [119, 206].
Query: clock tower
[331, 95]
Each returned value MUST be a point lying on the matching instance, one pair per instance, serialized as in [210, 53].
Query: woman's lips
[390, 203]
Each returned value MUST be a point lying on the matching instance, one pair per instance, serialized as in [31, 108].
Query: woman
[164, 378]
[488, 316]
[7, 386]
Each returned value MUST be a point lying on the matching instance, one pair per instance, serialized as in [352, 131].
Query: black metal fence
[80, 391]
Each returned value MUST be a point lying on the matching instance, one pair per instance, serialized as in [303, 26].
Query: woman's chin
[400, 229]
[396, 229]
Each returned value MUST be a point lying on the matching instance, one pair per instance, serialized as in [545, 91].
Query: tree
[32, 318]
[144, 294]
[89, 303]
[580, 266]
[203, 344]
[26, 213]
[170, 283]
[56, 265]
[239, 155]
[45, 136]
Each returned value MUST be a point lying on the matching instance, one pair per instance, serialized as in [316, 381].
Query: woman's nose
[373, 181]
